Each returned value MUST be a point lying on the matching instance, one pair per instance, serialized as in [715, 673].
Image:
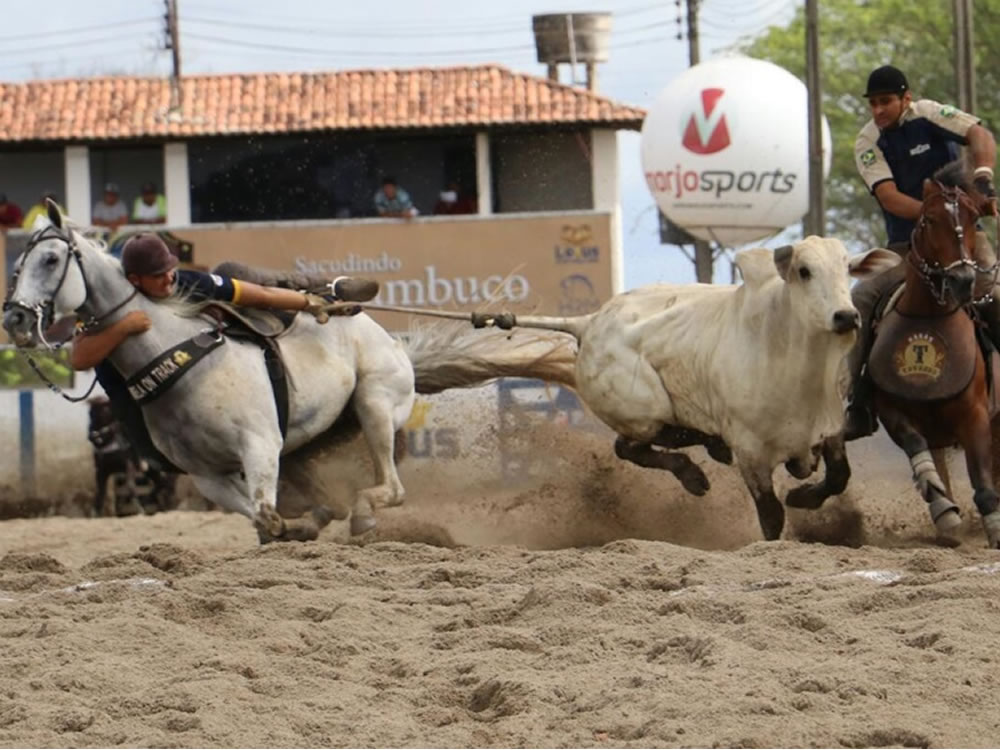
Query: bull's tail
[455, 356]
[574, 326]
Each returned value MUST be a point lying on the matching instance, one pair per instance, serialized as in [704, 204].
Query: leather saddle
[251, 321]
[929, 358]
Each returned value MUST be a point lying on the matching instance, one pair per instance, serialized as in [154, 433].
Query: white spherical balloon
[725, 150]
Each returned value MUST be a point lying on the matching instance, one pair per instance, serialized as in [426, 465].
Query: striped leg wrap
[925, 474]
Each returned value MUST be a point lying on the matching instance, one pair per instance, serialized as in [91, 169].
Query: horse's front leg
[838, 473]
[943, 511]
[975, 435]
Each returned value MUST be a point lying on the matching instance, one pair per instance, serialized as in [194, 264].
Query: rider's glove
[985, 186]
[316, 306]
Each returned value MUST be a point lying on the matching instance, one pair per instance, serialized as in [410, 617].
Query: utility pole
[965, 75]
[703, 260]
[173, 43]
[815, 219]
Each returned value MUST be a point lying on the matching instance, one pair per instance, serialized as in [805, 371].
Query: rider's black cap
[886, 80]
[147, 255]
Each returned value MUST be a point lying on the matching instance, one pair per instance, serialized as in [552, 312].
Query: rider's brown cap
[147, 255]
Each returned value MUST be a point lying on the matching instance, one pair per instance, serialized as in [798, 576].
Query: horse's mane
[953, 174]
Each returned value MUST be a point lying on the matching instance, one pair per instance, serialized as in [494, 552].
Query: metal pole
[26, 406]
[965, 76]
[703, 261]
[815, 220]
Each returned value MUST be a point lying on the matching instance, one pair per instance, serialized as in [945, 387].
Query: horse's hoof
[694, 480]
[270, 525]
[992, 523]
[945, 515]
[361, 524]
[948, 522]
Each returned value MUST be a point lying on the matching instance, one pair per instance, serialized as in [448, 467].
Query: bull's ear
[756, 266]
[873, 262]
[783, 260]
[55, 215]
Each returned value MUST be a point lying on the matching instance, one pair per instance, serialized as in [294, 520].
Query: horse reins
[44, 312]
[928, 273]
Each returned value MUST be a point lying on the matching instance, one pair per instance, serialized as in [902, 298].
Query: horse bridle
[934, 275]
[44, 312]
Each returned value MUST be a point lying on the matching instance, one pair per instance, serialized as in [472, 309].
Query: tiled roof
[129, 107]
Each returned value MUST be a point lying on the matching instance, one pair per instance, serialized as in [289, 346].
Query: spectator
[39, 209]
[150, 207]
[10, 214]
[392, 200]
[111, 211]
[452, 201]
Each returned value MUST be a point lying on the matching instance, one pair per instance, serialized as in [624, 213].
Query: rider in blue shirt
[152, 269]
[905, 143]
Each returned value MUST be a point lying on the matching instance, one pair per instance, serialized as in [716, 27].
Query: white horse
[219, 422]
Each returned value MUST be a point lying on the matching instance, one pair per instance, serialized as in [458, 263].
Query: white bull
[752, 371]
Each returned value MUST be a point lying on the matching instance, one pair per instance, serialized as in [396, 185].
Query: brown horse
[926, 365]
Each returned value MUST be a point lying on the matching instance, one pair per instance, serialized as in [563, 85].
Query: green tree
[857, 36]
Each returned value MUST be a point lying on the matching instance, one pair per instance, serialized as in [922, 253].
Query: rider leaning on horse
[152, 269]
[905, 143]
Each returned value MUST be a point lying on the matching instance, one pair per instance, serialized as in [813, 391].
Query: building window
[320, 175]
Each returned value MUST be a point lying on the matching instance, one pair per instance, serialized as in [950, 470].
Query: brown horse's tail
[456, 356]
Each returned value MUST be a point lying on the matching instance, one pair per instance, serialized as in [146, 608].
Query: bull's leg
[687, 471]
[975, 435]
[672, 436]
[838, 473]
[770, 512]
[943, 511]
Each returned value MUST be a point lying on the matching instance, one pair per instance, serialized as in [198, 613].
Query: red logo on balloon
[706, 131]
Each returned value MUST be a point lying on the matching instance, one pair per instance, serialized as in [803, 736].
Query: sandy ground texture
[593, 605]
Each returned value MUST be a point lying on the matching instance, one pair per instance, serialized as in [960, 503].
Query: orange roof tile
[130, 107]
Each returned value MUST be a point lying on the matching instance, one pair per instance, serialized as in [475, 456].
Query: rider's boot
[859, 419]
[351, 289]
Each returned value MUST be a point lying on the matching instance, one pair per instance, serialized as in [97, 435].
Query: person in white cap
[110, 211]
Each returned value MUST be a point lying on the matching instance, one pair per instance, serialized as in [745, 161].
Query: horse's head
[944, 239]
[48, 280]
[817, 272]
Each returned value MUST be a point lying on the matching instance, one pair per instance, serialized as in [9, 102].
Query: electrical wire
[76, 30]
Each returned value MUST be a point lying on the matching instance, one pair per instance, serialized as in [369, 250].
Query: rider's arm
[897, 203]
[90, 349]
[982, 145]
[254, 295]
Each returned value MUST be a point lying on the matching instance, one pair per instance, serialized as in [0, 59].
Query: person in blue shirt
[904, 143]
[392, 200]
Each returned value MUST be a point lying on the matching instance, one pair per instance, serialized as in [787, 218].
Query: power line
[76, 30]
[65, 46]
[354, 52]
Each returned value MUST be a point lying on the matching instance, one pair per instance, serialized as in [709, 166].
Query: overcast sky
[71, 38]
